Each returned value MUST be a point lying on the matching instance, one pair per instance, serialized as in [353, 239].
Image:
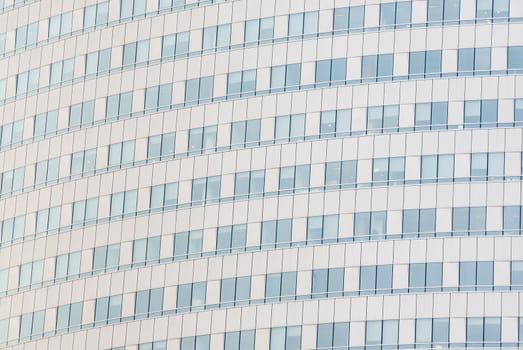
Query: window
[47, 171]
[382, 118]
[474, 61]
[27, 81]
[47, 220]
[288, 338]
[492, 8]
[422, 221]
[395, 13]
[467, 221]
[259, 29]
[231, 238]
[289, 128]
[121, 153]
[425, 64]
[13, 229]
[235, 291]
[191, 296]
[246, 133]
[332, 335]
[335, 123]
[158, 97]
[202, 140]
[31, 274]
[242, 340]
[515, 57]
[388, 169]
[119, 105]
[476, 275]
[61, 71]
[81, 114]
[201, 342]
[340, 174]
[206, 189]
[83, 162]
[376, 279]
[161, 147]
[148, 303]
[443, 10]
[377, 67]
[381, 332]
[165, 195]
[432, 330]
[516, 275]
[198, 90]
[349, 18]
[69, 317]
[425, 277]
[146, 250]
[483, 331]
[294, 178]
[276, 233]
[518, 110]
[280, 286]
[331, 72]
[188, 244]
[4, 329]
[32, 325]
[60, 24]
[216, 37]
[303, 23]
[370, 225]
[322, 228]
[13, 180]
[483, 165]
[137, 52]
[431, 115]
[11, 133]
[26, 35]
[85, 211]
[438, 168]
[157, 345]
[286, 77]
[132, 8]
[98, 61]
[241, 83]
[108, 310]
[96, 15]
[249, 184]
[123, 203]
[67, 265]
[327, 282]
[512, 219]
[175, 44]
[481, 113]
[170, 4]
[106, 258]
[45, 124]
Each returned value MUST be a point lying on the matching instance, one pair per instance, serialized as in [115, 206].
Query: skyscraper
[261, 174]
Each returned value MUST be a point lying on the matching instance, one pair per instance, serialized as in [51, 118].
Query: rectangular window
[206, 189]
[376, 279]
[515, 58]
[381, 332]
[199, 90]
[395, 13]
[134, 53]
[322, 229]
[26, 35]
[47, 171]
[288, 338]
[202, 140]
[124, 203]
[161, 147]
[469, 221]
[61, 71]
[419, 221]
[241, 83]
[67, 265]
[390, 170]
[146, 250]
[303, 23]
[245, 133]
[157, 345]
[259, 29]
[60, 25]
[476, 275]
[327, 282]
[13, 229]
[31, 274]
[191, 296]
[483, 331]
[231, 238]
[69, 317]
[294, 179]
[11, 133]
[158, 97]
[371, 225]
[516, 275]
[335, 123]
[235, 291]
[108, 310]
[425, 277]
[83, 162]
[289, 128]
[81, 114]
[249, 184]
[175, 44]
[12, 181]
[425, 64]
[512, 219]
[106, 258]
[332, 335]
[431, 116]
[164, 196]
[432, 330]
[170, 4]
[474, 61]
[45, 124]
[280, 286]
[286, 77]
[377, 67]
[201, 342]
[121, 153]
[27, 82]
[382, 118]
[148, 303]
[487, 165]
[47, 220]
[437, 168]
[276, 233]
[96, 15]
[188, 244]
[242, 340]
[98, 61]
[331, 72]
[85, 211]
[481, 113]
[32, 325]
[443, 11]
[492, 8]
[132, 8]
[349, 18]
[340, 174]
[216, 37]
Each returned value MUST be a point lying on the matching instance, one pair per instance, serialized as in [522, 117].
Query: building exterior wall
[249, 174]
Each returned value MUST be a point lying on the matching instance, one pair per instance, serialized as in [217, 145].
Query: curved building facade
[261, 174]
